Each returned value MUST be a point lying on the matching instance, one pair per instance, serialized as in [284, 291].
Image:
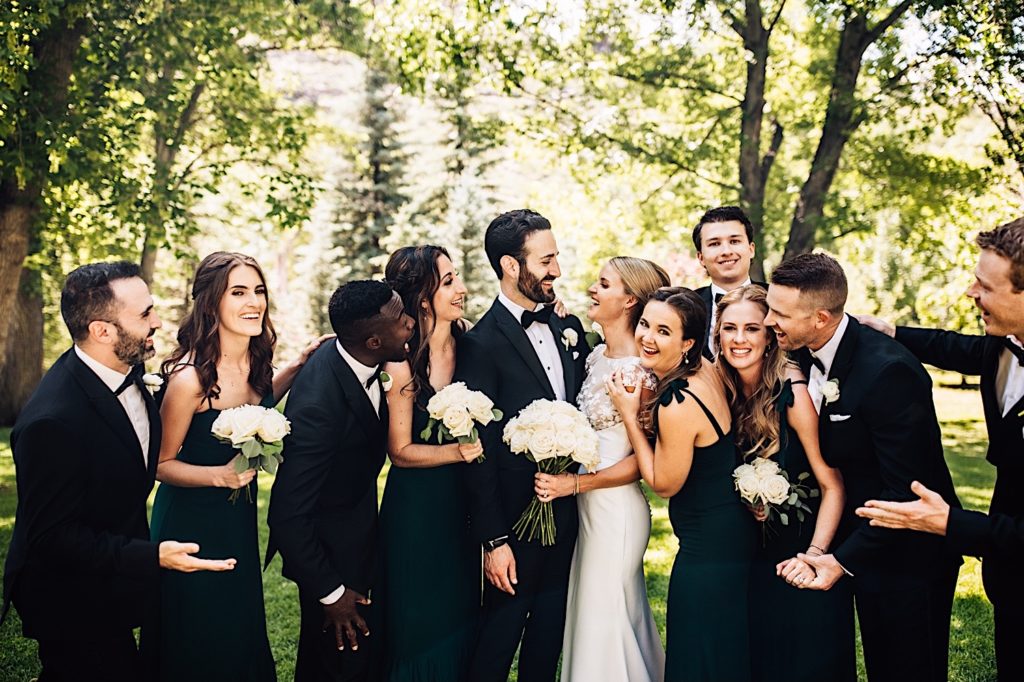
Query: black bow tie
[134, 377]
[816, 362]
[374, 377]
[529, 317]
[1016, 350]
[718, 297]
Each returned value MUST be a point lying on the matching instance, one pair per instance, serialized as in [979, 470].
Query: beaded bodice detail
[593, 398]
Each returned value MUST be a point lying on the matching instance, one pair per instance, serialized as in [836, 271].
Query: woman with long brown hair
[215, 628]
[691, 463]
[774, 418]
[430, 582]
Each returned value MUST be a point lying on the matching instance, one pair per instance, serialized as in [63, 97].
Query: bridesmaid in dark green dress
[213, 627]
[429, 592]
[691, 463]
[798, 635]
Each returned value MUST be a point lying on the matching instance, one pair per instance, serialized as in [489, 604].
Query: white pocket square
[575, 355]
[838, 417]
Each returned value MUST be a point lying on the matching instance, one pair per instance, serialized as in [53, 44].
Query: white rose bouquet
[553, 434]
[456, 411]
[764, 482]
[258, 433]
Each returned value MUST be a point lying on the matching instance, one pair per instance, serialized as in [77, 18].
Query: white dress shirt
[131, 399]
[827, 354]
[716, 291]
[544, 343]
[363, 374]
[1010, 377]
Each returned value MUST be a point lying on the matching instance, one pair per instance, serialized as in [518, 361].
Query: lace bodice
[593, 398]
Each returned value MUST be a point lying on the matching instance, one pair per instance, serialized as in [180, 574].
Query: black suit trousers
[905, 629]
[114, 658]
[318, 658]
[538, 606]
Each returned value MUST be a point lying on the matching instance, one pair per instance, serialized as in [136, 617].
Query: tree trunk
[23, 361]
[841, 120]
[54, 52]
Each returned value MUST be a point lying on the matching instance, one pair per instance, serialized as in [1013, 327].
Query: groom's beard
[131, 349]
[530, 287]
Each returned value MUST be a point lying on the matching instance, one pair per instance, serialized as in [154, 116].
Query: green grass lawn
[971, 654]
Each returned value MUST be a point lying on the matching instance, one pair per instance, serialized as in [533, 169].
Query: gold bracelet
[816, 547]
[576, 491]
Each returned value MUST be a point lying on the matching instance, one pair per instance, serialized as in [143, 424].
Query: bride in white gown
[610, 633]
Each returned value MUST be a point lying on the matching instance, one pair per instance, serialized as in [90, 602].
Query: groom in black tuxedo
[878, 427]
[520, 352]
[997, 537]
[323, 507]
[81, 570]
[724, 239]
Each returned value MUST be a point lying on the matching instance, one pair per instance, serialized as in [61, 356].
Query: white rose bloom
[830, 391]
[749, 485]
[520, 441]
[766, 467]
[222, 426]
[274, 426]
[565, 442]
[480, 407]
[458, 421]
[774, 489]
[245, 423]
[744, 470]
[542, 444]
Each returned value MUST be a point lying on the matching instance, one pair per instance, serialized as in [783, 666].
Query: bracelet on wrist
[810, 547]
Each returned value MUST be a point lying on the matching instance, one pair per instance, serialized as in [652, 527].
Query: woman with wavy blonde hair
[773, 417]
[610, 633]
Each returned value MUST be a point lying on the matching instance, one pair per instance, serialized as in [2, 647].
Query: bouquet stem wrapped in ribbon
[258, 434]
[554, 435]
[456, 411]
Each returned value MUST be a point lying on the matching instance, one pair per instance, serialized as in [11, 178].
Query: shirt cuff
[333, 596]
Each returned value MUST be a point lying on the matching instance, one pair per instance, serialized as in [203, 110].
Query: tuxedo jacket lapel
[516, 335]
[155, 431]
[355, 394]
[841, 364]
[110, 409]
[558, 327]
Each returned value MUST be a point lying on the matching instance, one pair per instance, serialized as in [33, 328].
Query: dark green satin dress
[706, 624]
[212, 625]
[797, 635]
[429, 587]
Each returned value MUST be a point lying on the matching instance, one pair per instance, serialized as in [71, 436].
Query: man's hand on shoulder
[878, 324]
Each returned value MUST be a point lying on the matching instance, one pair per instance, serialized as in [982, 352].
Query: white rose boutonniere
[570, 338]
[385, 381]
[153, 382]
[830, 391]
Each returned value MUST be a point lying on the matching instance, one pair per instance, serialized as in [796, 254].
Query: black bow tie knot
[816, 362]
[374, 377]
[718, 297]
[529, 317]
[1017, 351]
[134, 377]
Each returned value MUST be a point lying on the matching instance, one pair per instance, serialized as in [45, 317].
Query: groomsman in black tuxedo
[323, 507]
[517, 353]
[997, 537]
[724, 239]
[81, 570]
[878, 427]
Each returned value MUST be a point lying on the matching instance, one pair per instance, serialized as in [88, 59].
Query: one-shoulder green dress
[212, 624]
